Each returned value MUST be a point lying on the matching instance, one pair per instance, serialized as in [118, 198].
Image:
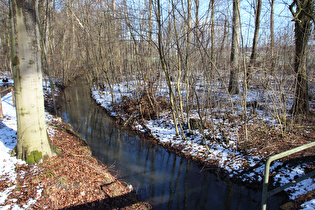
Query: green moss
[15, 61]
[53, 146]
[34, 157]
[49, 173]
[56, 150]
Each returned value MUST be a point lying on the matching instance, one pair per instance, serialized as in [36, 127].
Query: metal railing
[265, 194]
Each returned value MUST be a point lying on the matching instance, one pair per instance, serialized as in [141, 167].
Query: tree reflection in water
[165, 180]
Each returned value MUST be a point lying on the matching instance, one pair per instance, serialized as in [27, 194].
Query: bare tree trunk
[234, 69]
[187, 59]
[63, 57]
[255, 41]
[150, 27]
[164, 66]
[33, 142]
[256, 33]
[272, 34]
[225, 36]
[179, 63]
[212, 35]
[45, 45]
[303, 17]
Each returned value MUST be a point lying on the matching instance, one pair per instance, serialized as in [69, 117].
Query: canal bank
[160, 177]
[73, 179]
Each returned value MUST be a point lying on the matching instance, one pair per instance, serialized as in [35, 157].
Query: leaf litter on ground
[73, 179]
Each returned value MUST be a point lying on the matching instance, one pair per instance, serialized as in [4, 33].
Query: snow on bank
[8, 164]
[8, 142]
[223, 153]
[227, 157]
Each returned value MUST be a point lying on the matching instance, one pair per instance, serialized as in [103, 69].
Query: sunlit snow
[227, 158]
[8, 164]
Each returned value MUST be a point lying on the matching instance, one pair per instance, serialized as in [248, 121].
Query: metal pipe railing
[265, 193]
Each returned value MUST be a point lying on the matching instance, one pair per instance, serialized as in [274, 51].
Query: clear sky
[283, 25]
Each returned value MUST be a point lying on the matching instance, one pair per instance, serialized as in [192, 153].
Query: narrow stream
[163, 179]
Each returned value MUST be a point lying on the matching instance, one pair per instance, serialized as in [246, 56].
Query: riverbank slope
[238, 150]
[72, 180]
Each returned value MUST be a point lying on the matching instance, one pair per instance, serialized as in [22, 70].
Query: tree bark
[188, 55]
[233, 84]
[303, 17]
[164, 65]
[224, 38]
[45, 46]
[32, 143]
[212, 35]
[272, 34]
[256, 33]
[255, 42]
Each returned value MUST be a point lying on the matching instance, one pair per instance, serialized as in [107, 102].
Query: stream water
[163, 179]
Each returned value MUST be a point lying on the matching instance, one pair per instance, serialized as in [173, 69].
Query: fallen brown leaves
[72, 180]
[266, 140]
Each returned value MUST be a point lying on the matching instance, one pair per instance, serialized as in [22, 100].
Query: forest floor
[73, 179]
[238, 159]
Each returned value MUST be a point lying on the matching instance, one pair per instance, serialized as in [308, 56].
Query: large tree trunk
[33, 143]
[303, 22]
[233, 84]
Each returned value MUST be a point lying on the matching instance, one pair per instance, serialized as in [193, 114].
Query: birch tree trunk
[32, 143]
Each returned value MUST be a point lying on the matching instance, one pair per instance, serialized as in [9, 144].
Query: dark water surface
[163, 179]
